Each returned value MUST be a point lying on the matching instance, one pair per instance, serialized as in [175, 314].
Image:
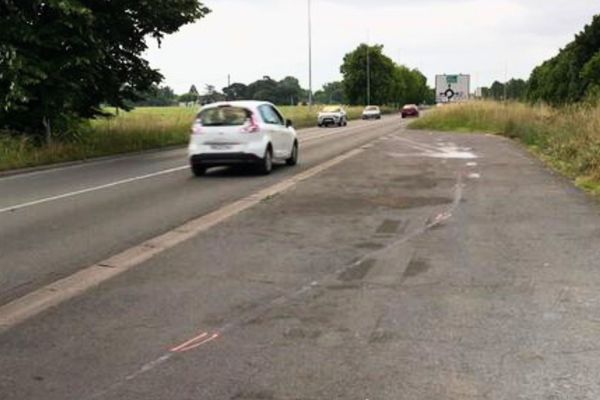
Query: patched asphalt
[430, 266]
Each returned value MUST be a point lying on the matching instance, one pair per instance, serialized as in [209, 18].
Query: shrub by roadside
[567, 138]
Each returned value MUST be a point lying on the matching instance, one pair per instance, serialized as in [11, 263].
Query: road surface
[420, 266]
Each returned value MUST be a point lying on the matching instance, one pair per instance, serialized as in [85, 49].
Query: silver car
[333, 115]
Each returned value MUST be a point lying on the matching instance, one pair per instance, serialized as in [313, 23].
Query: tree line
[514, 89]
[572, 76]
[369, 76]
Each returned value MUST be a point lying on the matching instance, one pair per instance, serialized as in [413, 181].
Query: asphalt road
[427, 266]
[152, 193]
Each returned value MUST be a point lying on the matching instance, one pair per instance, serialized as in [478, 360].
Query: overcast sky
[249, 39]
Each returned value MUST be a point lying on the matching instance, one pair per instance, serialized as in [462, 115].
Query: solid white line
[91, 189]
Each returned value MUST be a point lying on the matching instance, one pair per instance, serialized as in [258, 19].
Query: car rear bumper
[214, 159]
[326, 121]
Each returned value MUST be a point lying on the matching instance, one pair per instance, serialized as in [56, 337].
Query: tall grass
[568, 138]
[142, 129]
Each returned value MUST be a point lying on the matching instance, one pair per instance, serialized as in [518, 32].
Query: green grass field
[142, 129]
[568, 138]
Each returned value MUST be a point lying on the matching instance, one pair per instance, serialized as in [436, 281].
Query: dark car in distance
[410, 110]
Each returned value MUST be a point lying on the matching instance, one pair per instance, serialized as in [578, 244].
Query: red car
[410, 110]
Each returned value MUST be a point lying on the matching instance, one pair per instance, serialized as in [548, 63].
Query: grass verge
[567, 138]
[144, 128]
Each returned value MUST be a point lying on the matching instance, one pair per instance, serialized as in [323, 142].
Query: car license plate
[221, 147]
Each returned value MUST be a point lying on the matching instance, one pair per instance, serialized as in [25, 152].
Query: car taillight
[197, 127]
[251, 125]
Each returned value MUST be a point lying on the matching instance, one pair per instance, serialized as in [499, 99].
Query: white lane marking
[474, 176]
[471, 164]
[74, 285]
[91, 189]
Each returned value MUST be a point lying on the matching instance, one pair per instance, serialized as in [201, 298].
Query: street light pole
[310, 92]
[368, 76]
[368, 69]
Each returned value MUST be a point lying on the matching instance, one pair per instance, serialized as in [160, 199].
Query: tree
[516, 89]
[188, 98]
[288, 91]
[389, 84]
[410, 86]
[194, 94]
[497, 91]
[60, 60]
[156, 96]
[212, 95]
[332, 93]
[571, 75]
[236, 91]
[354, 71]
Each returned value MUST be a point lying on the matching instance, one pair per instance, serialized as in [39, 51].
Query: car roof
[252, 104]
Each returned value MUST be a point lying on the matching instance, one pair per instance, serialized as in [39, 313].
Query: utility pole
[368, 76]
[368, 69]
[310, 92]
[505, 81]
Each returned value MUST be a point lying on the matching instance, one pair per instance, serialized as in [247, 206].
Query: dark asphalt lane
[45, 242]
[411, 271]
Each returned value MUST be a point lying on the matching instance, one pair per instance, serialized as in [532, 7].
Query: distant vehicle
[410, 110]
[333, 115]
[241, 133]
[371, 112]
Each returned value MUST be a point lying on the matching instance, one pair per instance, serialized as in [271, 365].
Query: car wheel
[266, 164]
[198, 170]
[293, 160]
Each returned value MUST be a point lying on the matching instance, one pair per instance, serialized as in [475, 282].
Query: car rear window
[224, 116]
[331, 109]
[410, 106]
[372, 108]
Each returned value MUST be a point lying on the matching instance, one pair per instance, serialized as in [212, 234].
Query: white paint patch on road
[474, 176]
[453, 152]
[471, 164]
[443, 152]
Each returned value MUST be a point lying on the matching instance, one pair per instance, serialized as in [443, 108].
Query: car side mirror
[289, 123]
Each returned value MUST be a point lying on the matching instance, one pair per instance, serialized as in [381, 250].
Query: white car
[371, 112]
[333, 115]
[241, 132]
